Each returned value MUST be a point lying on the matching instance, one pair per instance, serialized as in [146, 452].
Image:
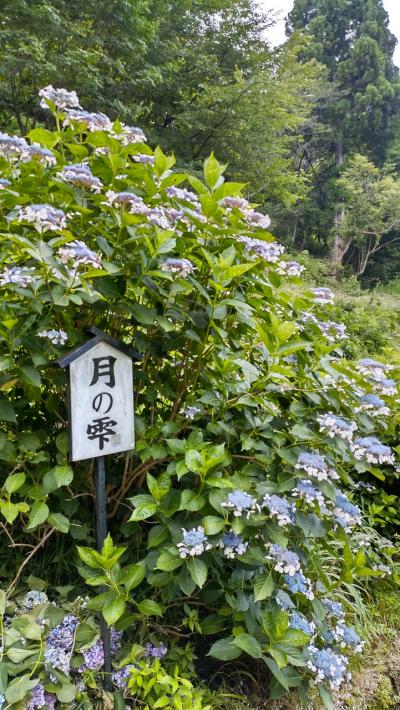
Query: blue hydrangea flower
[323, 296]
[44, 217]
[306, 491]
[346, 514]
[62, 98]
[4, 183]
[316, 466]
[36, 152]
[371, 449]
[80, 175]
[333, 425]
[241, 502]
[232, 545]
[279, 508]
[179, 267]
[333, 608]
[347, 637]
[332, 331]
[57, 337]
[34, 598]
[121, 676]
[38, 699]
[386, 387]
[11, 147]
[2, 700]
[93, 657]
[300, 622]
[286, 561]
[16, 275]
[299, 584]
[59, 645]
[152, 651]
[268, 251]
[194, 542]
[79, 253]
[374, 405]
[328, 666]
[115, 640]
[371, 368]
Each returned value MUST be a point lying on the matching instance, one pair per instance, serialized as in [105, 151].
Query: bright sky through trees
[277, 33]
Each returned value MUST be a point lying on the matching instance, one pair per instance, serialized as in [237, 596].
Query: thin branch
[11, 587]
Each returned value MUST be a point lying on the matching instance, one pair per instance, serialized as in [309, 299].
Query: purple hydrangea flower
[121, 676]
[60, 97]
[152, 651]
[93, 657]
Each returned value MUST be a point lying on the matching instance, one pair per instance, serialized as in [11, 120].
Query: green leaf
[198, 571]
[143, 511]
[13, 482]
[30, 375]
[295, 637]
[7, 411]
[148, 607]
[3, 602]
[57, 477]
[132, 576]
[248, 644]
[326, 698]
[45, 138]
[212, 524]
[263, 587]
[225, 650]
[66, 693]
[85, 635]
[213, 171]
[157, 535]
[194, 461]
[9, 511]
[168, 562]
[38, 515]
[114, 610]
[19, 688]
[59, 522]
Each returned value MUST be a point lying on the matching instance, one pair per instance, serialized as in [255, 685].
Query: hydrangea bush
[239, 511]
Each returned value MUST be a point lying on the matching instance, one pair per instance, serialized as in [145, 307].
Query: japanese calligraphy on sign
[101, 402]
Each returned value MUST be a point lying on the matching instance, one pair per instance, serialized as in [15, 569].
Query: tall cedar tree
[352, 39]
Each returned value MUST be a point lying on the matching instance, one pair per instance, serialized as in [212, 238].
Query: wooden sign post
[101, 421]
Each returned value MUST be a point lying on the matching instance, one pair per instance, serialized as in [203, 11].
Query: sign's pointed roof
[98, 337]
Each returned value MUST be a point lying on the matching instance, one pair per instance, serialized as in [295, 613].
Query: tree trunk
[339, 248]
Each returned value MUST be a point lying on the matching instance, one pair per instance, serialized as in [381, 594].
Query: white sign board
[101, 403]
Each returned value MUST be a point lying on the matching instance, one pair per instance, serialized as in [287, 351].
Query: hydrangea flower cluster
[41, 699]
[332, 331]
[33, 599]
[280, 509]
[194, 542]
[57, 337]
[328, 665]
[20, 276]
[79, 254]
[307, 492]
[298, 583]
[80, 175]
[192, 411]
[290, 268]
[12, 147]
[348, 638]
[346, 514]
[143, 158]
[333, 608]
[124, 199]
[61, 98]
[93, 657]
[386, 387]
[333, 425]
[323, 296]
[60, 644]
[269, 251]
[371, 449]
[232, 545]
[300, 622]
[373, 369]
[121, 676]
[36, 152]
[43, 217]
[374, 405]
[179, 193]
[178, 267]
[152, 651]
[92, 121]
[241, 502]
[286, 561]
[316, 466]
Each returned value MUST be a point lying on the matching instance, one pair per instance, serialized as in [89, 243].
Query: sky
[277, 33]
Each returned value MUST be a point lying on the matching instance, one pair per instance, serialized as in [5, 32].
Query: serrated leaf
[114, 610]
[225, 650]
[198, 571]
[38, 515]
[248, 644]
[263, 587]
[13, 482]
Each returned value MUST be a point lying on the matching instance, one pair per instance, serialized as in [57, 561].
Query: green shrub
[240, 398]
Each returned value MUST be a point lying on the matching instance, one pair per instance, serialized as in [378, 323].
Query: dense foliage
[236, 525]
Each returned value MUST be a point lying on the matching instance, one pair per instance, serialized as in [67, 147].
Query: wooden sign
[101, 398]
